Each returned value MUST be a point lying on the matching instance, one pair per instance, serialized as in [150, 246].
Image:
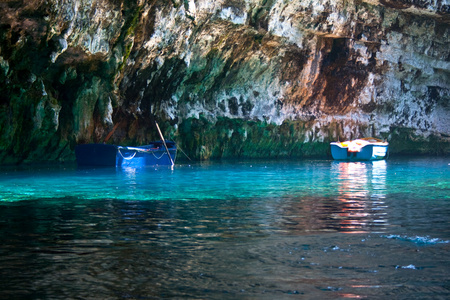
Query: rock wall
[223, 78]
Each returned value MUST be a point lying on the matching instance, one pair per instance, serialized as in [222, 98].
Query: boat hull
[368, 152]
[102, 155]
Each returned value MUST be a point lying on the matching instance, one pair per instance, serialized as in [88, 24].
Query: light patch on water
[417, 239]
[412, 267]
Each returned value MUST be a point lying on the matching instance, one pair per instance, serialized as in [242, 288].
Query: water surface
[315, 229]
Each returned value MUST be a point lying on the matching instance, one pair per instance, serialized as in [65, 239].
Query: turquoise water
[250, 230]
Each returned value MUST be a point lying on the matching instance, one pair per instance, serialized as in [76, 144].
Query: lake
[310, 229]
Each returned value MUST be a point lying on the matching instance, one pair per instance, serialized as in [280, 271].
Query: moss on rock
[237, 138]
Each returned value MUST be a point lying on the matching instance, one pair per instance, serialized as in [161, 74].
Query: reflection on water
[362, 187]
[356, 204]
[228, 231]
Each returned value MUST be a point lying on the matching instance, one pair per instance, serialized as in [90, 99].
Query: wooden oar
[165, 145]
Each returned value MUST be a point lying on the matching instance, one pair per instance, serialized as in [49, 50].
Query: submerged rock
[254, 78]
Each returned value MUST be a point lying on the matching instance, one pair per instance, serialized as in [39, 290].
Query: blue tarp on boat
[121, 156]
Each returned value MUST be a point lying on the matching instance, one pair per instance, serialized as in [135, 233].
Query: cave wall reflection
[344, 196]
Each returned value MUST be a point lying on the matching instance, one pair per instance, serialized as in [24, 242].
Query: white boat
[361, 149]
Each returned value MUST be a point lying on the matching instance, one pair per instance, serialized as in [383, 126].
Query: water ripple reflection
[362, 187]
[228, 231]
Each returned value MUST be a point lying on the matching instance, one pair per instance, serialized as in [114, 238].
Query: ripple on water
[318, 229]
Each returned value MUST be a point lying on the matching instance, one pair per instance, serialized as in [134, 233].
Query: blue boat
[360, 149]
[103, 155]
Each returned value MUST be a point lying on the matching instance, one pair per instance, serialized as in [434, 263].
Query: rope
[184, 153]
[179, 148]
[129, 157]
[158, 158]
[136, 150]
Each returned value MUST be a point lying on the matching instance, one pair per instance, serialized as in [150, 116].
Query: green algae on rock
[224, 79]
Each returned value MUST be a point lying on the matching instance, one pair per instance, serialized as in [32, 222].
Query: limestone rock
[224, 78]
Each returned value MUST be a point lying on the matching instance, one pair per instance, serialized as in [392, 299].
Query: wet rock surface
[224, 79]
